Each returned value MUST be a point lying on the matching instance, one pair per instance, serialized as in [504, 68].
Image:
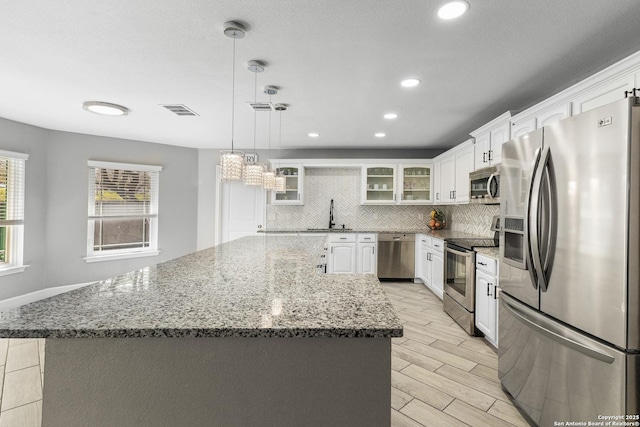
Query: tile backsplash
[343, 186]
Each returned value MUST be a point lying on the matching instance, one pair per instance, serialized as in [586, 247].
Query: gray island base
[217, 382]
[246, 333]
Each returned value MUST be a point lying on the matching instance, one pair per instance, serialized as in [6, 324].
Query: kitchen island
[245, 333]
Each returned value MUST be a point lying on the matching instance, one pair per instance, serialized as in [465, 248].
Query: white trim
[118, 165]
[12, 269]
[8, 303]
[13, 154]
[121, 255]
[344, 163]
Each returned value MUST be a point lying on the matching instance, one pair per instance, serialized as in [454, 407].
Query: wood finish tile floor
[440, 375]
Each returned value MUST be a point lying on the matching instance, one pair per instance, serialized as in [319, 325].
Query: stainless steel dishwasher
[396, 256]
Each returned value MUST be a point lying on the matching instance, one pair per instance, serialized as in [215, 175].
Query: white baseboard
[37, 295]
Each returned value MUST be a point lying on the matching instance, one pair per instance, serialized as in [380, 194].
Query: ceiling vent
[262, 106]
[180, 110]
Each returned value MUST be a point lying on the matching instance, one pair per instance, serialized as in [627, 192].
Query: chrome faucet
[331, 223]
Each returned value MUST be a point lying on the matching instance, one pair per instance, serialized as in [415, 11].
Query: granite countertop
[259, 286]
[490, 252]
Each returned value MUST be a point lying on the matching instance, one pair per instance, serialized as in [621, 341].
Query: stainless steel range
[459, 299]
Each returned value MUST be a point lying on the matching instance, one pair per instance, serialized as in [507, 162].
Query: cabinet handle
[495, 292]
[437, 196]
[490, 155]
[429, 256]
[484, 157]
[436, 246]
[343, 238]
[482, 263]
[488, 289]
[454, 194]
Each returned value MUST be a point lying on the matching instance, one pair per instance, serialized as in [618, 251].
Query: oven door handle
[464, 254]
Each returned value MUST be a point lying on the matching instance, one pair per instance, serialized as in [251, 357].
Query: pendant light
[253, 171]
[268, 176]
[281, 181]
[231, 162]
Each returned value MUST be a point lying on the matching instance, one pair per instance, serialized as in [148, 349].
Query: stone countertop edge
[490, 252]
[257, 286]
[440, 234]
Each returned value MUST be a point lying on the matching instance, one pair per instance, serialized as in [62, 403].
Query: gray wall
[31, 140]
[56, 204]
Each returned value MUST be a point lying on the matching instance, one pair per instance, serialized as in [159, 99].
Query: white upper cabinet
[415, 184]
[294, 178]
[603, 94]
[436, 180]
[379, 185]
[405, 184]
[455, 166]
[489, 139]
[539, 117]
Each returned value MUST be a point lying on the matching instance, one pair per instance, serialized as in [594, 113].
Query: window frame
[15, 227]
[116, 254]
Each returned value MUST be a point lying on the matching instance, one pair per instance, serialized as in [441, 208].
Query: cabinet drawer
[486, 264]
[367, 238]
[341, 237]
[437, 245]
[424, 241]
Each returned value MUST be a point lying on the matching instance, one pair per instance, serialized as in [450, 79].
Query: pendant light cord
[255, 112]
[233, 89]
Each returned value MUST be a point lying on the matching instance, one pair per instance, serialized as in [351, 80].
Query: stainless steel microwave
[484, 186]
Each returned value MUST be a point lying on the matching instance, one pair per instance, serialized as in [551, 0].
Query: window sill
[13, 270]
[114, 257]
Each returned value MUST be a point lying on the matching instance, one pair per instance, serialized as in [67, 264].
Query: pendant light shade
[269, 180]
[281, 184]
[231, 162]
[253, 173]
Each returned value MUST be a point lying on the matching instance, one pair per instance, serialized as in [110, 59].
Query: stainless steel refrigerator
[570, 267]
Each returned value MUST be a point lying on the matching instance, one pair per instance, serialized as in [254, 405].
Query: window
[123, 211]
[12, 169]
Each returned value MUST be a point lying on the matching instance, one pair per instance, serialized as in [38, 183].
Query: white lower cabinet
[430, 263]
[352, 253]
[486, 298]
[342, 258]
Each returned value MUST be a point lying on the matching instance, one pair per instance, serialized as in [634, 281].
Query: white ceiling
[338, 62]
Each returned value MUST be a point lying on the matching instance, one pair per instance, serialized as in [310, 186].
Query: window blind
[122, 190]
[12, 188]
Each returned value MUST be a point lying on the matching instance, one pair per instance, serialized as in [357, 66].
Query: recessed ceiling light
[314, 135]
[380, 135]
[410, 82]
[453, 9]
[390, 116]
[105, 108]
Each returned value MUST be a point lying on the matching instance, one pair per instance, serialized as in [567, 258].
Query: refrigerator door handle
[535, 220]
[554, 331]
[527, 221]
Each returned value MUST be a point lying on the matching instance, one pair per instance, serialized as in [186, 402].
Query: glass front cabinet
[294, 194]
[397, 184]
[416, 184]
[379, 185]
